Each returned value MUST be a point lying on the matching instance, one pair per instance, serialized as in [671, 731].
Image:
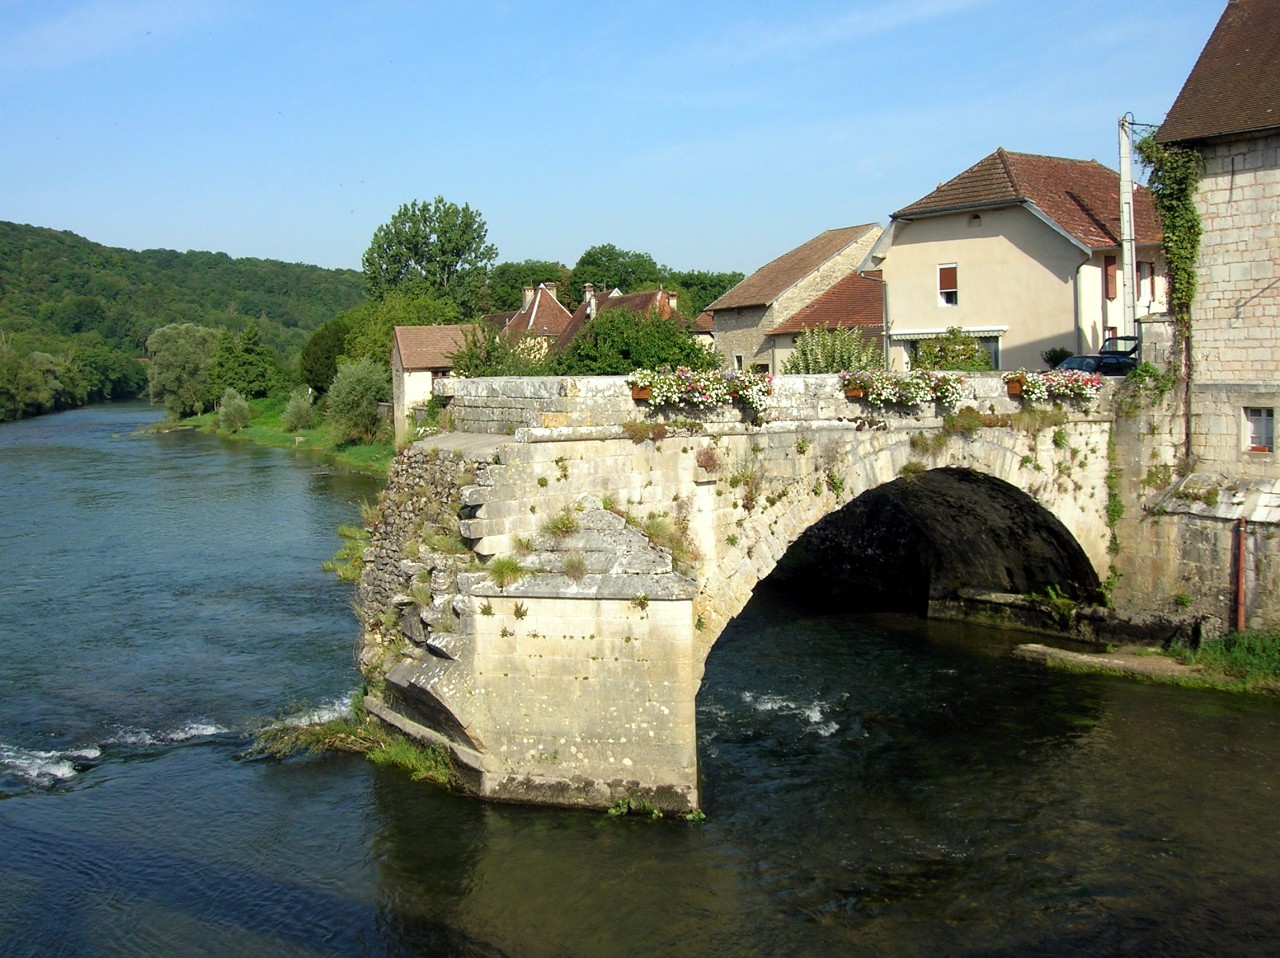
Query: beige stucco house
[1021, 251]
[753, 321]
[1229, 111]
[418, 355]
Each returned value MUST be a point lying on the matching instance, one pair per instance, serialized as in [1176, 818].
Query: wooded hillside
[75, 315]
[54, 285]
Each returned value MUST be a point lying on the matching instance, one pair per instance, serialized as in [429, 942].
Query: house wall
[398, 414]
[745, 330]
[741, 331]
[409, 388]
[1236, 313]
[1013, 270]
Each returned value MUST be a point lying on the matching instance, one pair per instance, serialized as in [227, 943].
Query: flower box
[641, 393]
[1014, 386]
[854, 392]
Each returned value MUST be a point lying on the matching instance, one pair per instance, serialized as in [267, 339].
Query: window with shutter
[948, 288]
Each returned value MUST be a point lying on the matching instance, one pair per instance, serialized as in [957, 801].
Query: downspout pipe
[1241, 549]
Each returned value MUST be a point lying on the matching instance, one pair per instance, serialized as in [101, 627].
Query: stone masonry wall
[1236, 314]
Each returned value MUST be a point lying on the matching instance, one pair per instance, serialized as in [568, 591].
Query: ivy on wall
[1174, 175]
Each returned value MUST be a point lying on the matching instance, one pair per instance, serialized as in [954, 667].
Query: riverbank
[1241, 662]
[265, 429]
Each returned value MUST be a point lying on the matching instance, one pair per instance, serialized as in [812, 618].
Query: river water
[874, 785]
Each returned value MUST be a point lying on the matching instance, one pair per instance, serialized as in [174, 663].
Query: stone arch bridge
[559, 654]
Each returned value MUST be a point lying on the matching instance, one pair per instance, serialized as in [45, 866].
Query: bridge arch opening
[903, 543]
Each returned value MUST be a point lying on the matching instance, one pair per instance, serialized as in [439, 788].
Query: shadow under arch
[903, 543]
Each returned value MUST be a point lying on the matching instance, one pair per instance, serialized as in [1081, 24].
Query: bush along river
[874, 785]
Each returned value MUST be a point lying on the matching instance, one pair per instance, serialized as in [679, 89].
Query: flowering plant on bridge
[948, 388]
[1057, 384]
[754, 389]
[881, 387]
[705, 388]
[1071, 384]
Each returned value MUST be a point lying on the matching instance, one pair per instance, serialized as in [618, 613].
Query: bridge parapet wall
[504, 405]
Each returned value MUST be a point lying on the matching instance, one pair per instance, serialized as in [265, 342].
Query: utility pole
[1128, 259]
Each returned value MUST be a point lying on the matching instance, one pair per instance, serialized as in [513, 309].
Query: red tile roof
[428, 347]
[1235, 85]
[640, 303]
[773, 279]
[543, 316]
[1081, 196]
[853, 303]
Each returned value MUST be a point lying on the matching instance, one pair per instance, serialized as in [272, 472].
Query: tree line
[76, 317]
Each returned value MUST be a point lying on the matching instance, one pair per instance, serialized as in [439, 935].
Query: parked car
[1086, 364]
[1118, 355]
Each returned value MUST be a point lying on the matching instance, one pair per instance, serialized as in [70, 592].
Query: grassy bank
[1249, 660]
[1241, 662]
[265, 429]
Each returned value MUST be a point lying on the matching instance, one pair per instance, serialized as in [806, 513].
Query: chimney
[671, 301]
[551, 288]
[589, 298]
[528, 297]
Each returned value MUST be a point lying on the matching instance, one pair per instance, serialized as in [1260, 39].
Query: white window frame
[1259, 428]
[949, 297]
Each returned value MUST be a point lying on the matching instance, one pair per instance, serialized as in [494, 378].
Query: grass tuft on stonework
[359, 733]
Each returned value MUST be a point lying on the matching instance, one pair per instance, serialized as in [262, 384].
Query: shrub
[299, 412]
[233, 411]
[954, 349]
[831, 350]
[352, 403]
[1054, 356]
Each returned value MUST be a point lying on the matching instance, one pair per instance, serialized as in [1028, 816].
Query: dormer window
[948, 290]
[975, 221]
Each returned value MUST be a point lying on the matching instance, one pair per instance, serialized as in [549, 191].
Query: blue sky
[711, 135]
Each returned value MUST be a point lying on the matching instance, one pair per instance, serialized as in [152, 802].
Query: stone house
[1227, 111]
[753, 321]
[1020, 250]
[418, 355]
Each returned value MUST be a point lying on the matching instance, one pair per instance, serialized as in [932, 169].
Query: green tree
[233, 411]
[177, 376]
[438, 244]
[243, 362]
[698, 289]
[352, 403]
[954, 349]
[486, 352]
[832, 351]
[299, 412]
[372, 325]
[507, 281]
[605, 266]
[318, 361]
[616, 341]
